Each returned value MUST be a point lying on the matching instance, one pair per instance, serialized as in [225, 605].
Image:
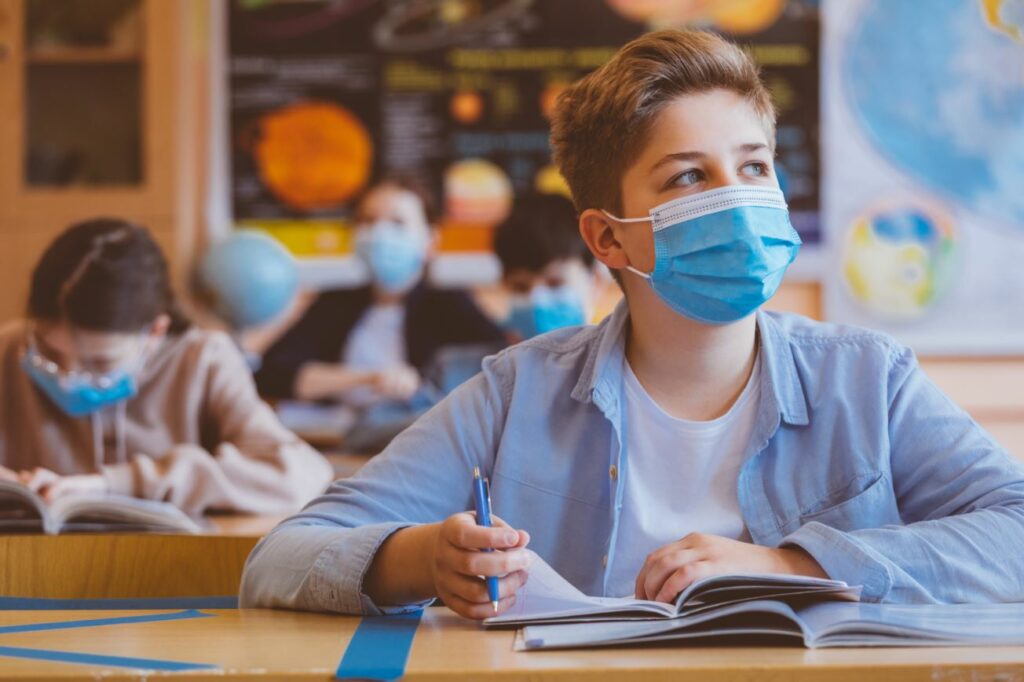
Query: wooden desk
[101, 566]
[284, 645]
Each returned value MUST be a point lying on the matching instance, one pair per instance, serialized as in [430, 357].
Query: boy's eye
[757, 168]
[687, 178]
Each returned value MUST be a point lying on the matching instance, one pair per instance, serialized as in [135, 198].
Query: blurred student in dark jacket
[369, 344]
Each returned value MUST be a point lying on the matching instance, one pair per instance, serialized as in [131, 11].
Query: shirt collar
[601, 377]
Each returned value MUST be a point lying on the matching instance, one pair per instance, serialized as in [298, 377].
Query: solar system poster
[327, 95]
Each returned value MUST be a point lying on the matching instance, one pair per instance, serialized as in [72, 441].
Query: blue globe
[248, 278]
[938, 88]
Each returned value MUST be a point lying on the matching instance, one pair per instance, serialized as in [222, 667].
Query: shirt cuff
[120, 478]
[336, 581]
[845, 558]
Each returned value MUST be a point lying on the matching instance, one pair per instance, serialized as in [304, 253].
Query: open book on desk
[24, 511]
[547, 597]
[815, 625]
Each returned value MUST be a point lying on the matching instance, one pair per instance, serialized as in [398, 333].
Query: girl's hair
[105, 275]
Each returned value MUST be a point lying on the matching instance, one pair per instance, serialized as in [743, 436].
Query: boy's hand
[458, 564]
[672, 568]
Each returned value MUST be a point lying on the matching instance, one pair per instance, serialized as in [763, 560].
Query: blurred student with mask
[371, 344]
[106, 388]
[547, 270]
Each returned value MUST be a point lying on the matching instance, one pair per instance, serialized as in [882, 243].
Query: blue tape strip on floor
[379, 648]
[104, 660]
[129, 604]
[94, 622]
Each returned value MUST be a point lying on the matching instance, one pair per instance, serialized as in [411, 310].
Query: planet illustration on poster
[477, 191]
[312, 155]
[549, 180]
[898, 262]
[740, 17]
[466, 106]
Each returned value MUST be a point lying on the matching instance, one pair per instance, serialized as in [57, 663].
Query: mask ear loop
[648, 219]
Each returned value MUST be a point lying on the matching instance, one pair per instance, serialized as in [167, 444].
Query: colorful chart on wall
[924, 168]
[326, 95]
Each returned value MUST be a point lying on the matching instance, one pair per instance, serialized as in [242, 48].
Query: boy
[546, 268]
[684, 436]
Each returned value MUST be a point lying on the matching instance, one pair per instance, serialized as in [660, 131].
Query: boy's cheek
[640, 248]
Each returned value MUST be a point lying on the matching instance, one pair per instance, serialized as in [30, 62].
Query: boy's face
[567, 272]
[698, 142]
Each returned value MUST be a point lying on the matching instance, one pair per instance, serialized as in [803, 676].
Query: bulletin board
[326, 95]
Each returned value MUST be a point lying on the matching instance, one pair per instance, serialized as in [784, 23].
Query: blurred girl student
[106, 387]
[372, 343]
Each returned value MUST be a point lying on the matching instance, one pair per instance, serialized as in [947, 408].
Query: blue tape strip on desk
[379, 649]
[97, 659]
[129, 604]
[94, 622]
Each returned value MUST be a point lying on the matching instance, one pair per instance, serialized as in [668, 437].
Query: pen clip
[487, 491]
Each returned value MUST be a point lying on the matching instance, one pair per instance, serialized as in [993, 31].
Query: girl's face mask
[721, 254]
[80, 392]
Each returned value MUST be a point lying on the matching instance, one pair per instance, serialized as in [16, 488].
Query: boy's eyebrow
[692, 156]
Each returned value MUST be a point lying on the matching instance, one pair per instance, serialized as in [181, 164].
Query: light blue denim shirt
[856, 457]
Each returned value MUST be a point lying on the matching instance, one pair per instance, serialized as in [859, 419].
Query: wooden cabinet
[91, 104]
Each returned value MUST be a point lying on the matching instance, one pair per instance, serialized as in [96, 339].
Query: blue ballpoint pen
[483, 518]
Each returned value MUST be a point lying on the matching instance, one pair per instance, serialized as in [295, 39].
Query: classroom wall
[991, 389]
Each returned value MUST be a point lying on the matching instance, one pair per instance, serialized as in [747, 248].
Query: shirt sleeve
[960, 494]
[256, 464]
[317, 560]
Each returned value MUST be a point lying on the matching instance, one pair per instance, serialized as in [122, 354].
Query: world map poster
[923, 149]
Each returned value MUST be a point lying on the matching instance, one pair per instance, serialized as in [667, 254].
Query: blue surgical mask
[721, 254]
[78, 393]
[545, 309]
[394, 255]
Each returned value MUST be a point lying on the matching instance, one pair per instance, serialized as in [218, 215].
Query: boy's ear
[600, 233]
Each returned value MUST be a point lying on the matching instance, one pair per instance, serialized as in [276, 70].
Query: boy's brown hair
[602, 121]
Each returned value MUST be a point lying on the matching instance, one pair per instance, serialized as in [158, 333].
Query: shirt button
[604, 561]
[614, 472]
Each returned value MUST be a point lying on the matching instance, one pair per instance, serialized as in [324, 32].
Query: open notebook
[547, 597]
[23, 511]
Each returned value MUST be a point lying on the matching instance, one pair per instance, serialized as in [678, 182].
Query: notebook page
[547, 595]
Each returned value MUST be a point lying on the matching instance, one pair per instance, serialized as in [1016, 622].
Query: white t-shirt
[681, 477]
[377, 341]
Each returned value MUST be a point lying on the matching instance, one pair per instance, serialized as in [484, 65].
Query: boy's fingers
[681, 579]
[474, 590]
[472, 536]
[496, 564]
[477, 611]
[657, 570]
